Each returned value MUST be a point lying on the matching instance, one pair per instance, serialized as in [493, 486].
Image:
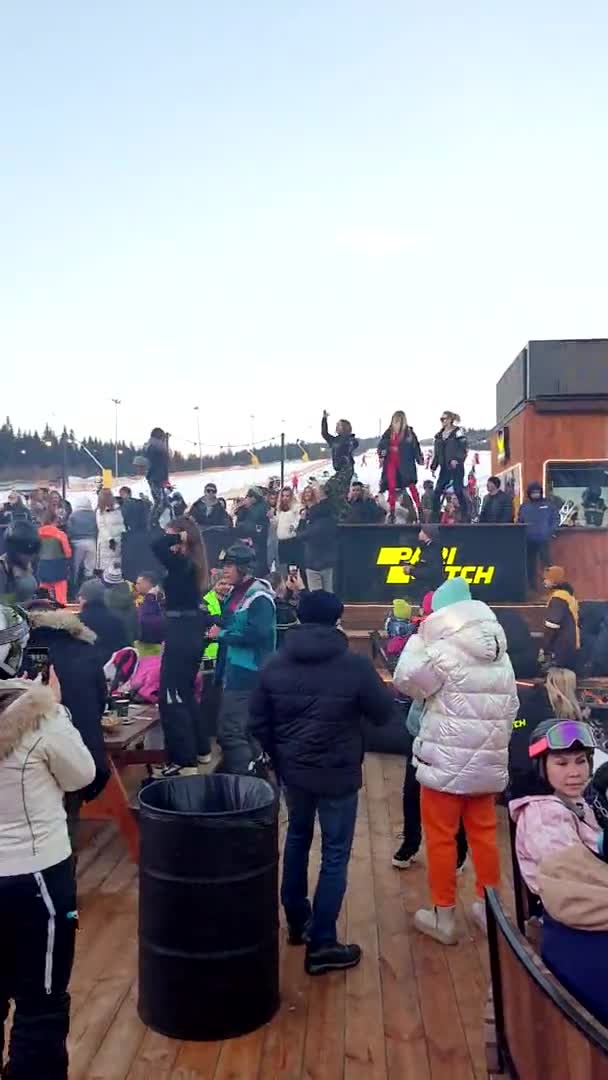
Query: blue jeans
[337, 818]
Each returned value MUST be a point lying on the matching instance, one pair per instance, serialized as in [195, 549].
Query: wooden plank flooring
[411, 1010]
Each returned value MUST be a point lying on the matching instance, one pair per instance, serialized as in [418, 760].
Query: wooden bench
[539, 1029]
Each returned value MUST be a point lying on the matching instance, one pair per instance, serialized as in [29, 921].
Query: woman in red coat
[400, 454]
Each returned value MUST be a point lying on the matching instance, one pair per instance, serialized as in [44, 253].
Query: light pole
[116, 402]
[198, 434]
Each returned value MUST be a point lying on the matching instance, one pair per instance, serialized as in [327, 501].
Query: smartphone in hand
[37, 664]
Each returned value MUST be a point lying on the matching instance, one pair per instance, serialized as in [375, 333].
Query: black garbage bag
[208, 914]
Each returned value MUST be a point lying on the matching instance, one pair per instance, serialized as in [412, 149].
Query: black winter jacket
[410, 455]
[216, 518]
[364, 512]
[108, 628]
[135, 514]
[454, 448]
[560, 639]
[81, 678]
[319, 534]
[342, 449]
[497, 509]
[308, 707]
[429, 571]
[521, 646]
[158, 461]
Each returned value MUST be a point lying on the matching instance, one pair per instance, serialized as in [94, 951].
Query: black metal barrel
[208, 906]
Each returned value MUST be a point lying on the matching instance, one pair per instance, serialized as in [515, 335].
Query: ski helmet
[551, 736]
[241, 555]
[14, 634]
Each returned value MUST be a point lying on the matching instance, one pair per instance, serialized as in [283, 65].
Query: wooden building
[552, 426]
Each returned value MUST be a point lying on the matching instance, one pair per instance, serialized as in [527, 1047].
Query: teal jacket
[249, 638]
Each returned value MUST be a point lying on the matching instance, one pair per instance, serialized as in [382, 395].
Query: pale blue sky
[273, 206]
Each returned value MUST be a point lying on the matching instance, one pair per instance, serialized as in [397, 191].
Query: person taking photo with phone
[42, 756]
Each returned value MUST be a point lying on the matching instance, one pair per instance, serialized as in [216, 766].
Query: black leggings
[412, 822]
[180, 714]
[455, 477]
[38, 922]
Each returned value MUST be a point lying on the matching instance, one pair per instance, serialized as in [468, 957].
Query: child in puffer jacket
[412, 822]
[399, 627]
[458, 663]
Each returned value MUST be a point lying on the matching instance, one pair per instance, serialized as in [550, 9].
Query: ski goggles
[562, 736]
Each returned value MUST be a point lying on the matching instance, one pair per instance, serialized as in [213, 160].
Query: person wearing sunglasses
[208, 511]
[562, 853]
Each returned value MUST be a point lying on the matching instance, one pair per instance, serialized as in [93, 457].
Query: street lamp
[116, 402]
[198, 434]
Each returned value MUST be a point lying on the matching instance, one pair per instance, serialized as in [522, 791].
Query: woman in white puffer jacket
[458, 664]
[42, 756]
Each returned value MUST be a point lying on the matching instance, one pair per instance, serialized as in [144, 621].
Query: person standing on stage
[343, 445]
[449, 457]
[156, 451]
[400, 454]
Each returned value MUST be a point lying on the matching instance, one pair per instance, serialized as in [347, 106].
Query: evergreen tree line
[24, 453]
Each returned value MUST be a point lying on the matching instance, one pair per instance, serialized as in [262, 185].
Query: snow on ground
[234, 482]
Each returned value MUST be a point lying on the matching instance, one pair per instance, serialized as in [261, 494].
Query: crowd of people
[287, 525]
[253, 646]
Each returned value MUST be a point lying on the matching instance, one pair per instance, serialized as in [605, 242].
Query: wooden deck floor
[412, 1009]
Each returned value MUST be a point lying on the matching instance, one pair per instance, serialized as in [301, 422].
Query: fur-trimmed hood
[60, 619]
[32, 701]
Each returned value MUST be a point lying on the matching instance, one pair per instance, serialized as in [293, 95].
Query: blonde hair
[309, 490]
[454, 416]
[561, 691]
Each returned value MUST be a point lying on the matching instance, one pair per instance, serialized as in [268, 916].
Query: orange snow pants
[441, 813]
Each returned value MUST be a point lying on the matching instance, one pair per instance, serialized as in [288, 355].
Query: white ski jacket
[458, 663]
[41, 757]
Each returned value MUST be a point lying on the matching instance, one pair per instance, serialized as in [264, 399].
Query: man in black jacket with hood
[306, 711]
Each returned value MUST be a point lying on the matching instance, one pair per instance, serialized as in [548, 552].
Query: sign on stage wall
[377, 564]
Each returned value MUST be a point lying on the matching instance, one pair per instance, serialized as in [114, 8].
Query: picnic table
[137, 742]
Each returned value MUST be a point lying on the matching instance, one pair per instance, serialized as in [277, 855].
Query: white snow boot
[438, 923]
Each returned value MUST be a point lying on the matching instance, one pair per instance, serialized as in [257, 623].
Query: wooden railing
[541, 1030]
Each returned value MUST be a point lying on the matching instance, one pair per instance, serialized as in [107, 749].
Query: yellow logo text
[401, 560]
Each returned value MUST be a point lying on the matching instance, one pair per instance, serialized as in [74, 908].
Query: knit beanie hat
[555, 575]
[402, 609]
[92, 592]
[451, 592]
[320, 607]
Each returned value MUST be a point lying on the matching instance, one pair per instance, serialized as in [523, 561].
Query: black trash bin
[208, 906]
